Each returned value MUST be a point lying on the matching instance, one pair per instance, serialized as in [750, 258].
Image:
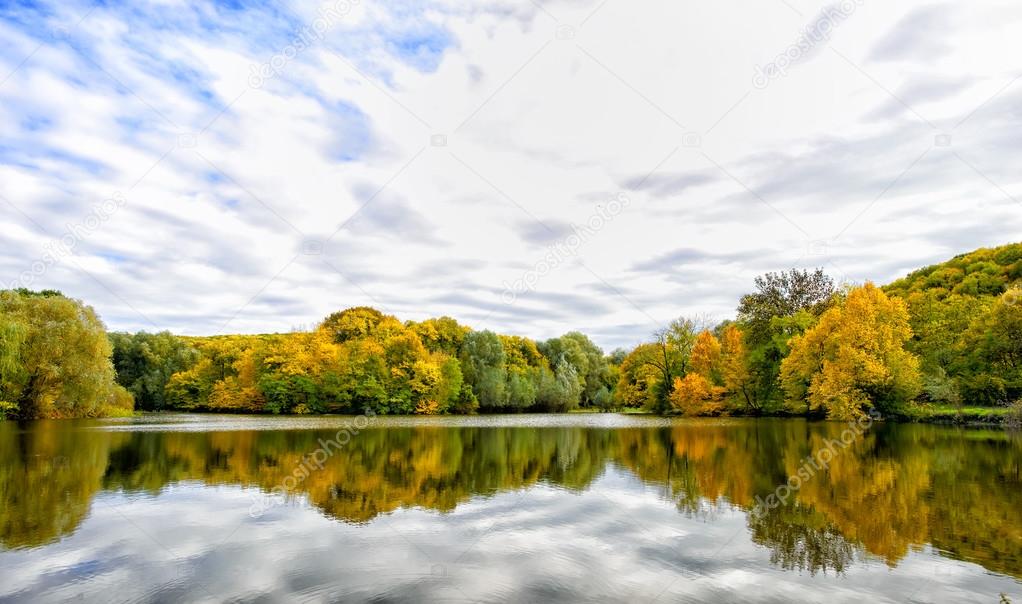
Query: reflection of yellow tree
[860, 482]
[693, 461]
[378, 471]
[892, 489]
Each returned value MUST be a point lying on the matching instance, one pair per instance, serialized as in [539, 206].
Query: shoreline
[969, 417]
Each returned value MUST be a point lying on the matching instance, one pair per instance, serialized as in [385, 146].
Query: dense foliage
[55, 359]
[946, 334]
[145, 363]
[962, 314]
[984, 272]
[361, 360]
[854, 358]
[784, 305]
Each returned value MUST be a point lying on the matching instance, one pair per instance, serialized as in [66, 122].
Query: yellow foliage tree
[718, 371]
[302, 354]
[734, 368]
[854, 358]
[637, 379]
[706, 357]
[427, 407]
[696, 395]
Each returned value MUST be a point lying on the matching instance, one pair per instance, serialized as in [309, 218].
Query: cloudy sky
[528, 166]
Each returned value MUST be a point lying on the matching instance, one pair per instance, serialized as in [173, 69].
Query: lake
[528, 508]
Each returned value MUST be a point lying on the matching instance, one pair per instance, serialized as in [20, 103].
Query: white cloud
[546, 109]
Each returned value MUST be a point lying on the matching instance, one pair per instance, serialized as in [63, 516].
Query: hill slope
[984, 272]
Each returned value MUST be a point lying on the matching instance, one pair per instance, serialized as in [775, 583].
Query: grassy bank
[951, 414]
[926, 413]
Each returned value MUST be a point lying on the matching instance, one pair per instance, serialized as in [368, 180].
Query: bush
[120, 403]
[1013, 419]
[939, 388]
[8, 409]
[694, 395]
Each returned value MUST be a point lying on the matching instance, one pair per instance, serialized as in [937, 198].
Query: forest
[945, 336]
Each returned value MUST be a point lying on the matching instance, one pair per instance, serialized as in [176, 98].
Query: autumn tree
[673, 351]
[694, 395]
[300, 373]
[352, 323]
[718, 378]
[442, 334]
[854, 358]
[706, 357]
[637, 378]
[736, 377]
[55, 359]
[522, 363]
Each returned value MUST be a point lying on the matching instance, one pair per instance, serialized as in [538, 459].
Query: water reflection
[897, 490]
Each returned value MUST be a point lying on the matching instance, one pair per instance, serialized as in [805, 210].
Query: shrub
[1013, 419]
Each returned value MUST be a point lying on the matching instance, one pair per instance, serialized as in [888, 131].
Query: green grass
[917, 412]
[930, 412]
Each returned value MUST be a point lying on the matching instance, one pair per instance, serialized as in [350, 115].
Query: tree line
[361, 360]
[947, 334]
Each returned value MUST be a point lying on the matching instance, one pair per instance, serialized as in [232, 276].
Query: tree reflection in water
[897, 488]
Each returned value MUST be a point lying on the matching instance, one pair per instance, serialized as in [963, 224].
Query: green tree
[482, 365]
[673, 347]
[55, 359]
[782, 306]
[145, 363]
[990, 364]
[587, 358]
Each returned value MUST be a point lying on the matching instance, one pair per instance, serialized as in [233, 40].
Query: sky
[527, 166]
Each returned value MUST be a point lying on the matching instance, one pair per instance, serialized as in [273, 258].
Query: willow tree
[55, 359]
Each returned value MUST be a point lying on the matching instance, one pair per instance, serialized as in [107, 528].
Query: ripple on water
[201, 422]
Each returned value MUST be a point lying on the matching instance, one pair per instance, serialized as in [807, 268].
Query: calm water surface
[595, 508]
